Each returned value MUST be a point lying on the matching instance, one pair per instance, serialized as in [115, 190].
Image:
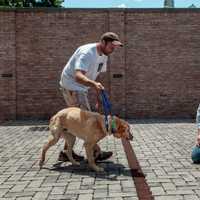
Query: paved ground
[163, 150]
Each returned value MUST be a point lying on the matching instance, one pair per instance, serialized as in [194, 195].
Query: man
[198, 126]
[80, 74]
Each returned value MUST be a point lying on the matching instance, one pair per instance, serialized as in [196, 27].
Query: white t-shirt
[85, 58]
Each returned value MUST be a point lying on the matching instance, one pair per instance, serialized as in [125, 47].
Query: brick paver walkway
[163, 150]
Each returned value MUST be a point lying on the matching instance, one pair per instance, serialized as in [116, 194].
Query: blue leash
[107, 110]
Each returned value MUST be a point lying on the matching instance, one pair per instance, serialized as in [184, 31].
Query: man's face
[108, 48]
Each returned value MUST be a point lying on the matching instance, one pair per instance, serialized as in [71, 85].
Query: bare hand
[99, 86]
[97, 106]
[198, 141]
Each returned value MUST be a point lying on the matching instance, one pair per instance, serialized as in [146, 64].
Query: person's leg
[198, 119]
[71, 99]
[198, 126]
[80, 99]
[84, 104]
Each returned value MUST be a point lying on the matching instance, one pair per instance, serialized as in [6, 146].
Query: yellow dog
[89, 126]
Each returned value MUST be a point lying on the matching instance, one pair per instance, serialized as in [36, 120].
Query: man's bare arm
[82, 79]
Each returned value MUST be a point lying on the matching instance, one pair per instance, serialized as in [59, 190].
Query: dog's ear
[123, 129]
[119, 128]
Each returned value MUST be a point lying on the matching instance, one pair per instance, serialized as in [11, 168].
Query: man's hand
[81, 78]
[97, 106]
[198, 139]
[98, 86]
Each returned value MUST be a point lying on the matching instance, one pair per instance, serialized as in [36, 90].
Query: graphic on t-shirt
[100, 67]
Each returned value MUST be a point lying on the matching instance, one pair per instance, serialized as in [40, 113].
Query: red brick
[159, 64]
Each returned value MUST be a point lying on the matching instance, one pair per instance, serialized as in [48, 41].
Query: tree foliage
[30, 3]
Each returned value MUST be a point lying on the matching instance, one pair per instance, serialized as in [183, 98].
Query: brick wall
[154, 75]
[45, 41]
[163, 63]
[7, 66]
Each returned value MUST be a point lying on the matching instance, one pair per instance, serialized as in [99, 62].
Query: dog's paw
[98, 169]
[41, 163]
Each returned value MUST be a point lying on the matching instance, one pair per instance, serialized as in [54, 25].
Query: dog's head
[122, 129]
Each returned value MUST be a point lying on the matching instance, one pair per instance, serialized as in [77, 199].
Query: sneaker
[63, 157]
[104, 155]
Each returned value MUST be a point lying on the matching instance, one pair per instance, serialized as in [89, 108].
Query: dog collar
[112, 128]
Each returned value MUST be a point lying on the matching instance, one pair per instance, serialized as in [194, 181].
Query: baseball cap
[113, 37]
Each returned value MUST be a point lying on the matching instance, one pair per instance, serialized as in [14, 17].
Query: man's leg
[85, 105]
[71, 100]
[80, 99]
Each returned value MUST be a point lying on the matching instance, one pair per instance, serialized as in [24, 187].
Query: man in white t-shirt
[80, 74]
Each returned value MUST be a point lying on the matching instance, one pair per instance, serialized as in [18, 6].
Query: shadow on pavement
[111, 170]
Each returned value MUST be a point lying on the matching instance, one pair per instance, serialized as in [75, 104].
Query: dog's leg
[65, 145]
[89, 148]
[69, 143]
[53, 139]
[96, 150]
